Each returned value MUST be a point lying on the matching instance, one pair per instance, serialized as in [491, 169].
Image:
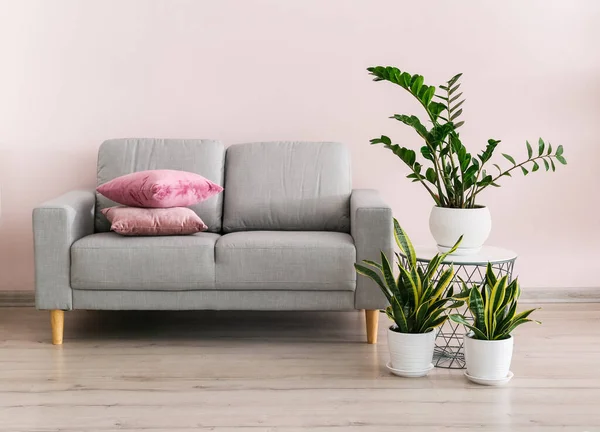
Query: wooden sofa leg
[372, 318]
[57, 321]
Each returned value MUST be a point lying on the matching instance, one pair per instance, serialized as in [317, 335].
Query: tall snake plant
[417, 297]
[493, 306]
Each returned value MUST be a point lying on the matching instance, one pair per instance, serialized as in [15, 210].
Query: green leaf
[426, 152]
[485, 181]
[490, 277]
[497, 295]
[411, 287]
[422, 313]
[433, 322]
[407, 156]
[457, 318]
[529, 150]
[464, 295]
[433, 265]
[525, 172]
[459, 124]
[399, 316]
[431, 176]
[414, 272]
[503, 324]
[455, 78]
[524, 314]
[404, 244]
[541, 146]
[453, 89]
[375, 277]
[559, 150]
[383, 140]
[510, 158]
[552, 165]
[452, 249]
[443, 281]
[456, 114]
[405, 79]
[549, 152]
[546, 164]
[512, 291]
[373, 264]
[517, 323]
[561, 159]
[414, 122]
[435, 109]
[455, 97]
[388, 275]
[477, 308]
[416, 83]
[428, 95]
[535, 167]
[390, 313]
[455, 107]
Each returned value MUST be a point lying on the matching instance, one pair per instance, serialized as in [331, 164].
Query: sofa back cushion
[296, 186]
[123, 156]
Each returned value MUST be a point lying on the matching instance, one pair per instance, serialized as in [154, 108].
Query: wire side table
[449, 352]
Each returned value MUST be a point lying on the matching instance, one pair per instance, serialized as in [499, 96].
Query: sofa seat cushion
[286, 260]
[108, 261]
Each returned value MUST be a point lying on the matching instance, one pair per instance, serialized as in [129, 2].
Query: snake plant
[417, 297]
[454, 178]
[493, 306]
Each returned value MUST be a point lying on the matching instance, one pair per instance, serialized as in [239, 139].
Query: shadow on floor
[326, 327]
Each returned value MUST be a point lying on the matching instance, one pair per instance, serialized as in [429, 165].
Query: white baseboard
[560, 295]
[528, 295]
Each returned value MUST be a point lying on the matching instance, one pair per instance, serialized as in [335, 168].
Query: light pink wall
[75, 73]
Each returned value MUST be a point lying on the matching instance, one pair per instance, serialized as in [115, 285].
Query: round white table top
[487, 254]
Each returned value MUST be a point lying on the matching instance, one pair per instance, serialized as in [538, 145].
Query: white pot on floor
[411, 354]
[488, 360]
[448, 224]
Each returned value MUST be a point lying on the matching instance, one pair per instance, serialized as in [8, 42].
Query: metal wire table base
[449, 349]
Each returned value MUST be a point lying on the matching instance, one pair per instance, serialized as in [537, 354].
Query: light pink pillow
[133, 221]
[159, 189]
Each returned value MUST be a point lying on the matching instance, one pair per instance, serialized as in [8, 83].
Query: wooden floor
[258, 372]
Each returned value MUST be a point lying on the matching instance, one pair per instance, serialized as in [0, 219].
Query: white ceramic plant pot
[411, 352]
[488, 360]
[448, 224]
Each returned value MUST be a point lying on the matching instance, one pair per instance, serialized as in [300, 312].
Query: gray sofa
[283, 235]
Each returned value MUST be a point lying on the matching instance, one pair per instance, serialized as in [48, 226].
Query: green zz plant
[454, 178]
[493, 306]
[417, 297]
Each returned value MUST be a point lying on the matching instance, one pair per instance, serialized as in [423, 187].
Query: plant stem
[440, 201]
[471, 198]
[436, 199]
[440, 179]
[508, 171]
[449, 144]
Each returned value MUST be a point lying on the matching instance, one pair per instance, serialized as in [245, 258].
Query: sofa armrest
[57, 224]
[371, 225]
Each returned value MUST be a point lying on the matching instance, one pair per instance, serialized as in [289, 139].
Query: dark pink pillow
[159, 189]
[133, 221]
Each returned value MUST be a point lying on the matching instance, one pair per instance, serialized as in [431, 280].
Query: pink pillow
[159, 189]
[133, 221]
